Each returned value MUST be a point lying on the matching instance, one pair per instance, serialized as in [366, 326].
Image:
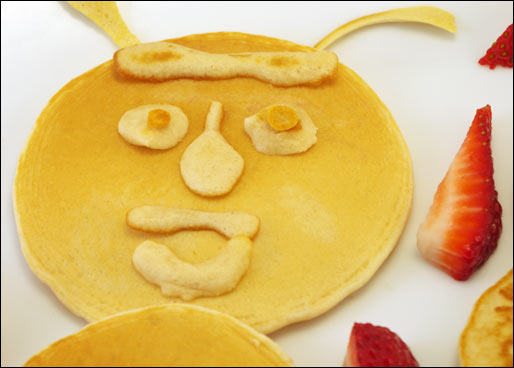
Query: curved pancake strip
[487, 339]
[168, 336]
[329, 216]
[421, 14]
[106, 15]
[217, 276]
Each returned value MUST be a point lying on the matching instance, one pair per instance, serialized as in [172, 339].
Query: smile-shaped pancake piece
[329, 216]
[164, 336]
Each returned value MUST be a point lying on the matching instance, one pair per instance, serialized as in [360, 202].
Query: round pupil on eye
[158, 118]
[282, 117]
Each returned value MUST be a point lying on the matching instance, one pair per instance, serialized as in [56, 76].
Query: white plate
[429, 79]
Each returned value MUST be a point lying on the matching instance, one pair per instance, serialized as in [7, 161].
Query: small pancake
[487, 339]
[165, 336]
[329, 217]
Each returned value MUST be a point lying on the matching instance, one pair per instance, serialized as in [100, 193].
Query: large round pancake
[329, 216]
[166, 336]
[487, 339]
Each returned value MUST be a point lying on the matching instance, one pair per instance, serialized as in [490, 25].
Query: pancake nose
[210, 166]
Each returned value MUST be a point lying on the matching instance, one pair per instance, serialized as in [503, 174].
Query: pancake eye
[281, 130]
[157, 126]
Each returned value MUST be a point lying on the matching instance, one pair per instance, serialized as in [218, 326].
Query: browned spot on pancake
[506, 352]
[283, 61]
[155, 57]
[240, 56]
[507, 292]
[507, 311]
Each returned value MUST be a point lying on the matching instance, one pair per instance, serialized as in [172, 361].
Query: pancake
[329, 216]
[487, 339]
[167, 336]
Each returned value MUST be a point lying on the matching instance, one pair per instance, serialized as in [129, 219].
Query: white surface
[429, 79]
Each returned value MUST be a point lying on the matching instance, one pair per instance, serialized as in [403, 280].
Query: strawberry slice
[500, 53]
[375, 346]
[463, 224]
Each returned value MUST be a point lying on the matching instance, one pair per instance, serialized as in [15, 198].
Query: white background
[429, 79]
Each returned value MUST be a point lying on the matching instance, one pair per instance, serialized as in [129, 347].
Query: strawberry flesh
[500, 53]
[375, 346]
[463, 224]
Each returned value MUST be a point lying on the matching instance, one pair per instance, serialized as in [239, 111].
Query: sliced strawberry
[500, 53]
[375, 346]
[463, 224]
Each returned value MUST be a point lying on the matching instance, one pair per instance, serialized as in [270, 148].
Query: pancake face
[487, 339]
[167, 336]
[328, 216]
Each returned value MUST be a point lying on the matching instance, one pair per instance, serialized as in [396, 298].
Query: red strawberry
[375, 346]
[463, 224]
[500, 53]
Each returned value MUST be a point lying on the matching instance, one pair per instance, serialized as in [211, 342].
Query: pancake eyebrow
[162, 61]
[166, 220]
